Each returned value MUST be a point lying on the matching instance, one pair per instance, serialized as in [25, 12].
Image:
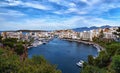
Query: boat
[80, 63]
[44, 41]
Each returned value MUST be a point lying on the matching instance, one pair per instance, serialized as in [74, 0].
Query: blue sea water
[64, 54]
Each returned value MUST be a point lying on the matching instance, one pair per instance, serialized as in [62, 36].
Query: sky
[58, 14]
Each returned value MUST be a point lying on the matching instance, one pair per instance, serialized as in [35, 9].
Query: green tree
[0, 38]
[93, 69]
[10, 63]
[116, 63]
[10, 42]
[102, 60]
[90, 60]
[19, 49]
[112, 48]
[117, 51]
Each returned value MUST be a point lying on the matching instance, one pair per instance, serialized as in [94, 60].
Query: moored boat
[80, 63]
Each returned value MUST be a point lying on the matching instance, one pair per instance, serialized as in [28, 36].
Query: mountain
[90, 28]
[107, 26]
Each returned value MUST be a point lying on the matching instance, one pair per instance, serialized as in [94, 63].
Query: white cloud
[93, 9]
[31, 4]
[35, 5]
[93, 21]
[14, 2]
[73, 22]
[65, 3]
[55, 1]
[58, 12]
[90, 2]
[12, 13]
[71, 10]
[72, 4]
[93, 6]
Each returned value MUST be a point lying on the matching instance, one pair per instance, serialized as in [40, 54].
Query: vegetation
[0, 38]
[108, 61]
[10, 63]
[116, 64]
[13, 59]
[14, 44]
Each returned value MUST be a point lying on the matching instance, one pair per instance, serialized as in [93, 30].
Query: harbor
[40, 41]
[64, 54]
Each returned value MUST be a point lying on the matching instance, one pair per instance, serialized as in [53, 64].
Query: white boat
[80, 63]
[39, 43]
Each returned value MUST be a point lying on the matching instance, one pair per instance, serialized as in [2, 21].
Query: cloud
[72, 4]
[34, 24]
[35, 5]
[52, 24]
[64, 3]
[94, 21]
[58, 14]
[90, 2]
[8, 12]
[32, 4]
[92, 7]
[74, 10]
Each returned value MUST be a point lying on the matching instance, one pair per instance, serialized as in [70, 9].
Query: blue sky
[58, 14]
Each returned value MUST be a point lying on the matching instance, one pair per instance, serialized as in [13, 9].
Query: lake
[64, 54]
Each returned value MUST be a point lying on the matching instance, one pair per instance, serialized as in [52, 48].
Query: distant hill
[31, 30]
[90, 28]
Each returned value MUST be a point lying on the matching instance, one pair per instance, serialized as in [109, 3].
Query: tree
[10, 42]
[19, 49]
[93, 69]
[90, 60]
[116, 63]
[112, 48]
[0, 38]
[102, 60]
[118, 51]
[10, 63]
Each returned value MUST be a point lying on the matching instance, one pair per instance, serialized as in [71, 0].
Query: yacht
[80, 63]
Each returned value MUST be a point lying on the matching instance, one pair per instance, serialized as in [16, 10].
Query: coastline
[97, 46]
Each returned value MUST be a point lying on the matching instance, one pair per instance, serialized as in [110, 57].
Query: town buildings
[108, 33]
